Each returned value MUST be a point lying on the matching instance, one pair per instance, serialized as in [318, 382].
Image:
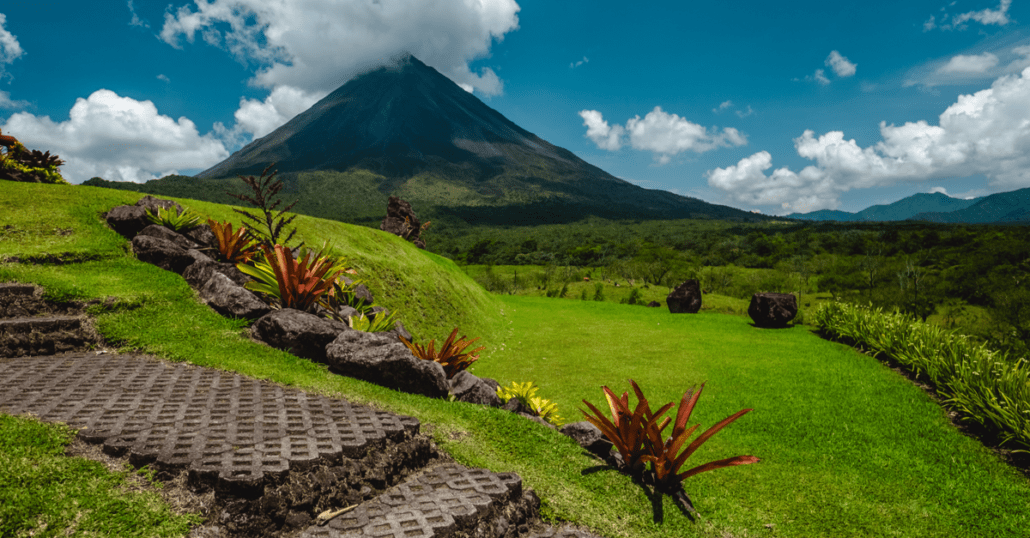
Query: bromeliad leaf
[234, 246]
[293, 283]
[451, 355]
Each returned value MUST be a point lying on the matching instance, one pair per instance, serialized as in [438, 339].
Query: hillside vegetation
[848, 447]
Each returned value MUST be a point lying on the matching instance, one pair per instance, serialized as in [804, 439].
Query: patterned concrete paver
[223, 427]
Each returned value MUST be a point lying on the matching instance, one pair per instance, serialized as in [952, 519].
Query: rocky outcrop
[129, 220]
[685, 299]
[772, 310]
[402, 221]
[162, 253]
[466, 387]
[302, 334]
[588, 437]
[231, 299]
[385, 361]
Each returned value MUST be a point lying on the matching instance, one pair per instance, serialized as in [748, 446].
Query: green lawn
[849, 448]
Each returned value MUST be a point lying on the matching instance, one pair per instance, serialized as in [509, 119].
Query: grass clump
[44, 493]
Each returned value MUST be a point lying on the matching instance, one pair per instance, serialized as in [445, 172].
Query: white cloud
[316, 45]
[164, 78]
[745, 113]
[941, 190]
[841, 66]
[723, 106]
[10, 49]
[819, 76]
[659, 132]
[117, 138]
[258, 118]
[986, 133]
[986, 16]
[7, 103]
[979, 63]
[136, 21]
[930, 24]
[609, 138]
[576, 64]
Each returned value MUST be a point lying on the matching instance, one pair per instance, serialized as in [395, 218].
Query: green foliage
[293, 283]
[451, 355]
[378, 323]
[17, 163]
[265, 190]
[982, 383]
[599, 291]
[234, 246]
[635, 297]
[173, 219]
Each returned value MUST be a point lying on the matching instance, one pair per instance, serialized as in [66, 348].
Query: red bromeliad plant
[451, 355]
[235, 246]
[638, 438]
[293, 283]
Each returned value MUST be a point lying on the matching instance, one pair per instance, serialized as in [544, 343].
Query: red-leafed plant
[234, 245]
[451, 355]
[638, 438]
[293, 283]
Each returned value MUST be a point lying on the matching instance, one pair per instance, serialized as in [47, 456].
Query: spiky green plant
[173, 219]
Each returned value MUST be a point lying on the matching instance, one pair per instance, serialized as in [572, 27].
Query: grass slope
[849, 448]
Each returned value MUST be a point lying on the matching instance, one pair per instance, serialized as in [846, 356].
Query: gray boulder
[685, 299]
[588, 437]
[302, 334]
[162, 253]
[198, 273]
[772, 310]
[230, 299]
[156, 230]
[203, 236]
[382, 359]
[127, 220]
[360, 291]
[466, 387]
[153, 204]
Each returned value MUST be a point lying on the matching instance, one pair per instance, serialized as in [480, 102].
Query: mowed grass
[848, 447]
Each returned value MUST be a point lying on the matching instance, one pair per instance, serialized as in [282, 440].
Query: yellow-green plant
[979, 382]
[451, 355]
[174, 219]
[17, 163]
[525, 393]
[378, 323]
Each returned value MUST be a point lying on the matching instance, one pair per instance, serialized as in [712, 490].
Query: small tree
[265, 191]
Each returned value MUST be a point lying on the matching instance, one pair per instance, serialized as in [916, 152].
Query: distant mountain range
[409, 131]
[1003, 207]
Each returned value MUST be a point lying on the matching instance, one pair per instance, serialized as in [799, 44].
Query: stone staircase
[280, 462]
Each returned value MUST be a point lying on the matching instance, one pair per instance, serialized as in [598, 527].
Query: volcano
[425, 138]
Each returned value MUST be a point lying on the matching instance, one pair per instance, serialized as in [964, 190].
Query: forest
[973, 278]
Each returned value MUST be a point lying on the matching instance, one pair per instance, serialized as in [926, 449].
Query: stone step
[446, 500]
[46, 335]
[16, 289]
[44, 324]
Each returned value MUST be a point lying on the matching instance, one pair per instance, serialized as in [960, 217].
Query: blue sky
[764, 106]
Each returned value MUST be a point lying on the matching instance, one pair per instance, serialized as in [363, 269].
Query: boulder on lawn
[588, 437]
[402, 221]
[162, 253]
[129, 220]
[382, 359]
[302, 334]
[200, 271]
[772, 310]
[685, 299]
[466, 387]
[203, 236]
[153, 204]
[230, 299]
[654, 304]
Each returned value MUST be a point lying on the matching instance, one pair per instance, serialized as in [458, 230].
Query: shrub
[637, 435]
[174, 219]
[525, 393]
[599, 291]
[293, 283]
[234, 246]
[635, 297]
[451, 355]
[17, 163]
[975, 380]
[265, 190]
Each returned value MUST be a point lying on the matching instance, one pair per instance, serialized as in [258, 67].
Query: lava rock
[654, 304]
[302, 334]
[156, 230]
[230, 299]
[588, 437]
[360, 291]
[466, 387]
[203, 236]
[162, 253]
[198, 273]
[772, 310]
[402, 221]
[382, 359]
[685, 299]
[127, 220]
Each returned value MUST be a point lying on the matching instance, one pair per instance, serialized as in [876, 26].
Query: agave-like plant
[451, 355]
[234, 245]
[173, 219]
[626, 429]
[293, 283]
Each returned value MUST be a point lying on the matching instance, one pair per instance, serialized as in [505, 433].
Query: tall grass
[975, 380]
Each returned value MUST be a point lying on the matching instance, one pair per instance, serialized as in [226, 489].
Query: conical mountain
[426, 138]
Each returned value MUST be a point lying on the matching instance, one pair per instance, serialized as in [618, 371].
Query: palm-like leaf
[294, 283]
[451, 355]
[234, 245]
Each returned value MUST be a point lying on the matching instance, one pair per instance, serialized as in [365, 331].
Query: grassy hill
[848, 447]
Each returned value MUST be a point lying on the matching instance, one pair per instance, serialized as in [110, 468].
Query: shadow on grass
[652, 493]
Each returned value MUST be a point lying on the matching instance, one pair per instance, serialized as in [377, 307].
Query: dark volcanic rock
[203, 236]
[198, 273]
[153, 204]
[402, 221]
[466, 387]
[382, 359]
[588, 437]
[230, 299]
[127, 220]
[156, 230]
[162, 253]
[302, 334]
[686, 298]
[772, 310]
[654, 304]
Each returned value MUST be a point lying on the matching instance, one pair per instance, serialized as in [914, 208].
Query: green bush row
[973, 379]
